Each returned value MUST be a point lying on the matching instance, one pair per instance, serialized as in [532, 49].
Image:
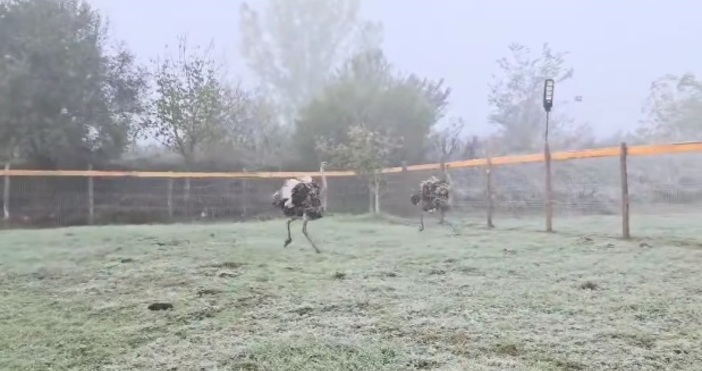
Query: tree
[673, 109]
[294, 45]
[366, 153]
[191, 104]
[448, 140]
[368, 90]
[11, 132]
[69, 97]
[516, 93]
[252, 135]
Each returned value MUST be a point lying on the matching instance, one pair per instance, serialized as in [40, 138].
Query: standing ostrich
[301, 198]
[433, 195]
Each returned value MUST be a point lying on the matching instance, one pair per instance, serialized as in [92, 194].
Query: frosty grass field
[381, 296]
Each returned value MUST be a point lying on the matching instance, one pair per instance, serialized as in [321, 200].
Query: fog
[616, 48]
[283, 84]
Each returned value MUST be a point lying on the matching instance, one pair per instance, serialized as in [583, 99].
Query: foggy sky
[617, 47]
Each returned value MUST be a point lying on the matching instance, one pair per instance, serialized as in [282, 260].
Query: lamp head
[548, 94]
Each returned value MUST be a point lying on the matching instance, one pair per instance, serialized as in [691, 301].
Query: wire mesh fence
[587, 195]
[66, 201]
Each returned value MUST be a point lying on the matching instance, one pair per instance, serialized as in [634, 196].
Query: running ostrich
[302, 198]
[433, 195]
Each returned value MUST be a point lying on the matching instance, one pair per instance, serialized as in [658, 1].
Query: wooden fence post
[244, 197]
[91, 197]
[169, 199]
[371, 195]
[6, 194]
[405, 176]
[376, 192]
[626, 233]
[489, 192]
[186, 196]
[549, 189]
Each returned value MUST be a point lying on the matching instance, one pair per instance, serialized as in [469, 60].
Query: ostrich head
[415, 199]
[323, 166]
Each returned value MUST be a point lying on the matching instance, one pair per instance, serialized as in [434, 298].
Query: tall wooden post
[6, 194]
[626, 233]
[549, 189]
[186, 196]
[548, 104]
[169, 199]
[91, 197]
[371, 196]
[405, 178]
[376, 193]
[489, 193]
[244, 196]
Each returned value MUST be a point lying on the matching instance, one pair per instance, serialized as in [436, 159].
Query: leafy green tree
[68, 97]
[293, 46]
[193, 108]
[673, 109]
[366, 152]
[367, 90]
[11, 132]
[516, 99]
[191, 105]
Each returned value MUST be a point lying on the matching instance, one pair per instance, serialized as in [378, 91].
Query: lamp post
[548, 104]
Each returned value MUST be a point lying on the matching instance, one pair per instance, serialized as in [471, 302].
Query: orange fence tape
[645, 150]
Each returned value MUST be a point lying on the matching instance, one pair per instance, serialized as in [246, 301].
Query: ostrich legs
[307, 201]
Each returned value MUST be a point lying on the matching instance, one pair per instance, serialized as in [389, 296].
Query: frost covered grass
[381, 296]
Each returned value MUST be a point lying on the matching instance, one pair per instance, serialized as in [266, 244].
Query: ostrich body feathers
[298, 197]
[301, 199]
[433, 195]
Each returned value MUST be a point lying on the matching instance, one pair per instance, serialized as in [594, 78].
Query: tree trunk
[325, 187]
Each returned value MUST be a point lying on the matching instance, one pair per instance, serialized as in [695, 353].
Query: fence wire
[666, 197]
[587, 196]
[64, 201]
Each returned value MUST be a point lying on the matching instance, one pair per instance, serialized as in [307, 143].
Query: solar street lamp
[548, 104]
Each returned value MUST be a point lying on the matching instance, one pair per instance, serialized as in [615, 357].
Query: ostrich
[433, 195]
[302, 198]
